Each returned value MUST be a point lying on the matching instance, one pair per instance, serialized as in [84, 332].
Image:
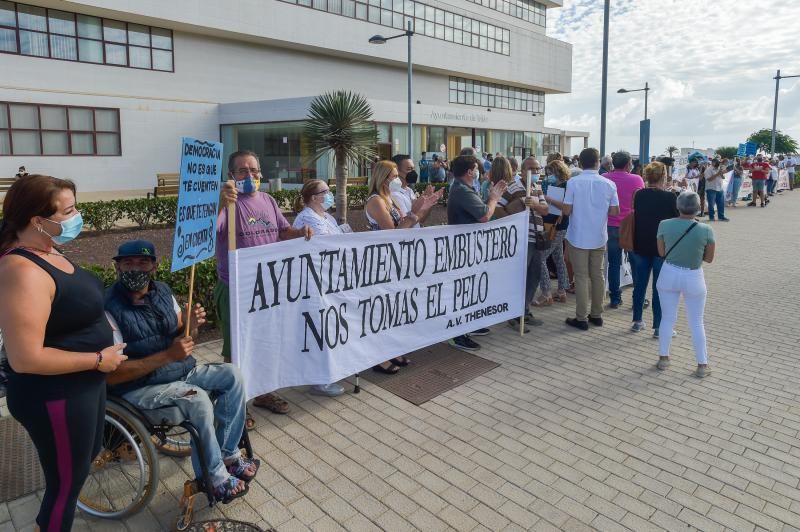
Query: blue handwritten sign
[198, 202]
[742, 151]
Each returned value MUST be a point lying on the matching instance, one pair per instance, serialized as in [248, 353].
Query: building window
[38, 129]
[40, 32]
[551, 143]
[528, 10]
[483, 94]
[425, 20]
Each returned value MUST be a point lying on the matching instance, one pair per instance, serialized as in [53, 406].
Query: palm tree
[671, 150]
[340, 122]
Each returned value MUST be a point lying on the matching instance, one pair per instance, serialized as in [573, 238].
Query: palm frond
[340, 121]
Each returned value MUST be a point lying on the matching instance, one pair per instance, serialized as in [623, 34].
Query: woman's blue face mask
[70, 229]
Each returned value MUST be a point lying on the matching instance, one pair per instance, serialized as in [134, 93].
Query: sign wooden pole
[525, 306]
[188, 316]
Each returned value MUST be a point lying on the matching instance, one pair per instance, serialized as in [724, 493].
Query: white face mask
[395, 185]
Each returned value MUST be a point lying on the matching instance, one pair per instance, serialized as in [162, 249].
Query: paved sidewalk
[574, 431]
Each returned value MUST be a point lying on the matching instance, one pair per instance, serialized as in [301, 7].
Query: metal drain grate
[20, 473]
[433, 370]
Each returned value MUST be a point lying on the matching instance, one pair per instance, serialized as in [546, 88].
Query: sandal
[561, 296]
[401, 361]
[225, 493]
[249, 420]
[241, 468]
[391, 370]
[271, 402]
[571, 289]
[543, 301]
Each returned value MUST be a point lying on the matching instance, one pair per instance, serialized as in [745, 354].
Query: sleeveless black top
[77, 323]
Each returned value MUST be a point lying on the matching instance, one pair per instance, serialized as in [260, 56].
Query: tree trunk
[341, 186]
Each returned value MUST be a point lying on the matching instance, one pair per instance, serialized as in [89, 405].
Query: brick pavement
[574, 431]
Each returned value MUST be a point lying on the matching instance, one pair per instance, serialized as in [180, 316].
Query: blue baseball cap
[136, 248]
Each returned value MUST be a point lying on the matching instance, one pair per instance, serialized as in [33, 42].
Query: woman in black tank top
[57, 339]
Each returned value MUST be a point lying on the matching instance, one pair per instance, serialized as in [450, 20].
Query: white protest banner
[783, 180]
[314, 312]
[198, 200]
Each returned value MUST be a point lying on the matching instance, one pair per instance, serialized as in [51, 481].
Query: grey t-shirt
[689, 251]
[464, 205]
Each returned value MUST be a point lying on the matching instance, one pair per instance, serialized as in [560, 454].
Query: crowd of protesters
[71, 340]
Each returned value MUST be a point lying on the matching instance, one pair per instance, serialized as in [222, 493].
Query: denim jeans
[533, 273]
[716, 202]
[735, 187]
[216, 408]
[642, 265]
[614, 264]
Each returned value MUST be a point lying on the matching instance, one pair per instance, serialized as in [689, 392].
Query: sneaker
[596, 321]
[663, 363]
[514, 324]
[646, 303]
[333, 389]
[464, 343]
[751, 204]
[614, 305]
[637, 326]
[530, 320]
[655, 333]
[578, 324]
[711, 220]
[702, 371]
[724, 219]
[481, 332]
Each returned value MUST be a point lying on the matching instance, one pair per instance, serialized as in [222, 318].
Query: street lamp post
[604, 97]
[777, 79]
[644, 125]
[379, 39]
[646, 90]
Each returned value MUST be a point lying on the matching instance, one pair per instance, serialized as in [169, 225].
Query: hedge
[149, 212]
[144, 212]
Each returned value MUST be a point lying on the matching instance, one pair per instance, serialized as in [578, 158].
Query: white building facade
[101, 91]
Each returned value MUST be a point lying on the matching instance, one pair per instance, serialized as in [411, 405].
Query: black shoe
[481, 332]
[724, 219]
[753, 204]
[514, 324]
[578, 324]
[464, 343]
[596, 321]
[614, 305]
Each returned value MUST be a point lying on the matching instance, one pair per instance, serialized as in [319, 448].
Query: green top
[689, 251]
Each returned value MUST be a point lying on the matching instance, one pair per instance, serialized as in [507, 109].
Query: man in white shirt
[402, 194]
[589, 200]
[715, 174]
[790, 163]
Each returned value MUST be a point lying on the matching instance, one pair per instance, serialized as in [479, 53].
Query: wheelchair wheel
[124, 476]
[174, 442]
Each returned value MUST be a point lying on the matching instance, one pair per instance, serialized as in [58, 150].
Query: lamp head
[377, 39]
[622, 91]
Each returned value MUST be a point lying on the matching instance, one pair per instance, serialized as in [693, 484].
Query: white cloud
[709, 64]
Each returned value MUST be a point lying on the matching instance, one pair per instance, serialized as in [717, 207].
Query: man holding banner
[259, 221]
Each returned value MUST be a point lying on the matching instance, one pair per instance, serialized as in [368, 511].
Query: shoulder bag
[679, 240]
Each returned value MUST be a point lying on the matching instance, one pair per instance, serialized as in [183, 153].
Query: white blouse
[321, 225]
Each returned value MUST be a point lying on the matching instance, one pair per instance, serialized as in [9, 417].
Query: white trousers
[674, 281]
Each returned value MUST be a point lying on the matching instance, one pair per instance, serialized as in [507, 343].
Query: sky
[711, 79]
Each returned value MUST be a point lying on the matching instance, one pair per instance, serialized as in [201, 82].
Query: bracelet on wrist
[99, 360]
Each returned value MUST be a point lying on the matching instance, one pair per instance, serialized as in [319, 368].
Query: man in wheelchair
[160, 370]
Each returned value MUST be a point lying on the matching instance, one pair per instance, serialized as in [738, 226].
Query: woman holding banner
[57, 338]
[312, 211]
[382, 213]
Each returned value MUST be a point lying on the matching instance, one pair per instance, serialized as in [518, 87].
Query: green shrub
[205, 279]
[144, 212]
[101, 215]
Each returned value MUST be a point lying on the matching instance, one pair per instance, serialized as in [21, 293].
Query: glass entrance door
[457, 139]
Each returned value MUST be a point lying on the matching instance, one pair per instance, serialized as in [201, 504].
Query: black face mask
[134, 281]
[411, 177]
